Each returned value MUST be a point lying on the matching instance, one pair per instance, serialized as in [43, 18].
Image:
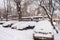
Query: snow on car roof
[2, 21]
[32, 23]
[44, 25]
[23, 24]
[9, 22]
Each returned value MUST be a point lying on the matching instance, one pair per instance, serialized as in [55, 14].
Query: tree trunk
[19, 11]
[49, 18]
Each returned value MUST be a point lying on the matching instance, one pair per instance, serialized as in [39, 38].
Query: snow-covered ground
[57, 35]
[12, 34]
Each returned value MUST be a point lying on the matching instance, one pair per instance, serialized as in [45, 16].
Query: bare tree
[0, 15]
[18, 4]
[49, 12]
[6, 9]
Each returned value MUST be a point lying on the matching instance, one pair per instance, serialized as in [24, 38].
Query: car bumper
[43, 37]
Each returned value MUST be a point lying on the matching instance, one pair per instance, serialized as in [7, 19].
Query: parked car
[9, 23]
[24, 25]
[1, 22]
[43, 31]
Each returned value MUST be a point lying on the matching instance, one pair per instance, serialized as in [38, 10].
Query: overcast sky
[1, 4]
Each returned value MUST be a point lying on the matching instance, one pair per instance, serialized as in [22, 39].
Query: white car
[2, 22]
[43, 31]
[9, 23]
[19, 25]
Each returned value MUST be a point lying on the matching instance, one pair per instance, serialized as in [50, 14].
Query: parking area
[21, 31]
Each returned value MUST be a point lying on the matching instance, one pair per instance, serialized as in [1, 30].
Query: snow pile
[43, 26]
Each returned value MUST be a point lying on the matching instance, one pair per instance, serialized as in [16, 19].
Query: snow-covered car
[1, 22]
[32, 23]
[43, 31]
[9, 23]
[20, 25]
[23, 25]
